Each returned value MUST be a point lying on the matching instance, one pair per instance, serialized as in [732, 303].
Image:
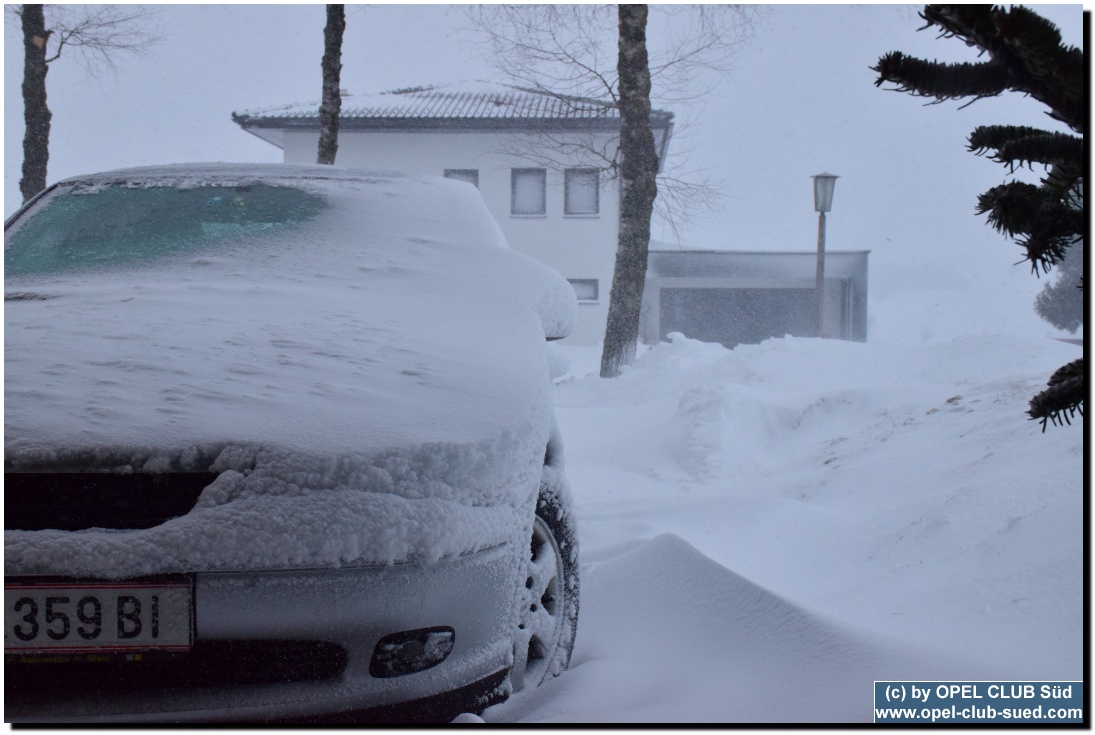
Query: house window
[587, 289]
[470, 175]
[529, 187]
[581, 191]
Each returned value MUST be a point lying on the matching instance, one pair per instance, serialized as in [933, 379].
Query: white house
[542, 163]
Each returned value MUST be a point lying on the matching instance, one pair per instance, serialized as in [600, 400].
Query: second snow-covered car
[279, 445]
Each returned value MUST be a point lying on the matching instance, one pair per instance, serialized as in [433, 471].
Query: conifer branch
[1025, 146]
[941, 81]
[1025, 54]
[1063, 398]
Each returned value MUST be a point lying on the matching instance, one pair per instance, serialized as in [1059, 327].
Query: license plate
[97, 617]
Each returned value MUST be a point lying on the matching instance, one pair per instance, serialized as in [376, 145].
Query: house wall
[577, 246]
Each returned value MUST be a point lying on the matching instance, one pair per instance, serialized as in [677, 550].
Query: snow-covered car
[279, 446]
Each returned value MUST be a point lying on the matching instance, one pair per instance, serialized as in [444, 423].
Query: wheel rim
[541, 621]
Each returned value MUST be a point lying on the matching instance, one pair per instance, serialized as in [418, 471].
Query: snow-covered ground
[767, 530]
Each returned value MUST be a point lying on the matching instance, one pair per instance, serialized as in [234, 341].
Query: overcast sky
[800, 100]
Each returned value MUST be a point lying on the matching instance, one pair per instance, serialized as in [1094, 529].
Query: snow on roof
[463, 101]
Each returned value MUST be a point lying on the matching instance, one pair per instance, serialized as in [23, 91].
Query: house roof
[757, 264]
[464, 105]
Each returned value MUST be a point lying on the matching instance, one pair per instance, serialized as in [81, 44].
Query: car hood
[380, 355]
[378, 326]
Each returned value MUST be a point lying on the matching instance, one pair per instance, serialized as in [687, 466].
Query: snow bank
[767, 530]
[722, 648]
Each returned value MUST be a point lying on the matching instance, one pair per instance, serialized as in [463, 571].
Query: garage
[736, 297]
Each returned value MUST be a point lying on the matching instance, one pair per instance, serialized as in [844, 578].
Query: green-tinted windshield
[122, 226]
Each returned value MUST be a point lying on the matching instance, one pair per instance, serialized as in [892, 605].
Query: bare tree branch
[98, 32]
[569, 51]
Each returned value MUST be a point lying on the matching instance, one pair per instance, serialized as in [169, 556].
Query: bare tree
[36, 113]
[582, 53]
[332, 94]
[97, 33]
[638, 172]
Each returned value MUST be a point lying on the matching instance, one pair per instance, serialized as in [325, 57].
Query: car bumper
[352, 608]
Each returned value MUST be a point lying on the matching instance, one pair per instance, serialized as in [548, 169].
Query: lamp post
[823, 201]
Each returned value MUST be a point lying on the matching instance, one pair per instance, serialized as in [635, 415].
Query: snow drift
[767, 530]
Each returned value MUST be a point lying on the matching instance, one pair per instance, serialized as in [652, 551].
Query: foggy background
[800, 100]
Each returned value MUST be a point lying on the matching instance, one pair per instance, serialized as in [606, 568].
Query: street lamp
[823, 202]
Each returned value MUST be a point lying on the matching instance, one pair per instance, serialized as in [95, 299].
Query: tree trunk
[332, 94]
[35, 112]
[638, 169]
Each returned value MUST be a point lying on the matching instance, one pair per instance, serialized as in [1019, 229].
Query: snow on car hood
[392, 346]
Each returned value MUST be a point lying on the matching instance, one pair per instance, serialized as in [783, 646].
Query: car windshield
[81, 228]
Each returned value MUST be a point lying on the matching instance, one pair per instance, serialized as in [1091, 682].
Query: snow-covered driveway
[768, 530]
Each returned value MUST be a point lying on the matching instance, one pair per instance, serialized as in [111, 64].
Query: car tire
[548, 619]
